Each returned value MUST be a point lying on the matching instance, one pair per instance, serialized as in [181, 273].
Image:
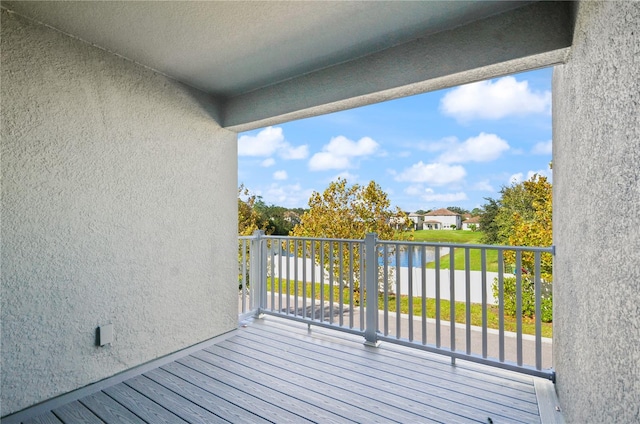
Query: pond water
[415, 254]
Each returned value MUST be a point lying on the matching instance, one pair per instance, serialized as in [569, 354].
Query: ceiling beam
[530, 37]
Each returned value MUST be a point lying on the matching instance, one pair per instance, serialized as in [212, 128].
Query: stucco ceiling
[231, 48]
[268, 62]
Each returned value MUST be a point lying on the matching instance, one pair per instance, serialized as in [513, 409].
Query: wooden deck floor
[276, 371]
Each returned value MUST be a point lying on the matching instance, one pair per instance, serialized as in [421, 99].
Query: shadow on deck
[275, 370]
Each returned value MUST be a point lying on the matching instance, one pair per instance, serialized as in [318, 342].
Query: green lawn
[459, 237]
[448, 236]
[528, 324]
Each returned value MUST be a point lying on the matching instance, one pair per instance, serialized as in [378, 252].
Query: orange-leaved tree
[346, 211]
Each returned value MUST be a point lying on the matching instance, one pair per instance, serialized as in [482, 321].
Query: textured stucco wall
[118, 206]
[596, 118]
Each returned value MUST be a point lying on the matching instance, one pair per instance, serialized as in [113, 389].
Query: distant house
[418, 220]
[471, 223]
[442, 219]
[399, 222]
[292, 217]
[432, 224]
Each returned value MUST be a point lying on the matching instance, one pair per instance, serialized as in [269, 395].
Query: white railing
[325, 282]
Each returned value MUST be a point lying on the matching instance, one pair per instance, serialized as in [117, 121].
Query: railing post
[371, 291]
[258, 274]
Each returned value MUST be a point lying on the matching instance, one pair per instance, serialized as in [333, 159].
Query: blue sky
[451, 147]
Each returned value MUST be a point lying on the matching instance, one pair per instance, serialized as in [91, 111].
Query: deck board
[275, 370]
[223, 410]
[272, 393]
[435, 366]
[416, 377]
[297, 386]
[427, 368]
[144, 407]
[46, 418]
[108, 410]
[374, 382]
[75, 412]
[211, 389]
[358, 385]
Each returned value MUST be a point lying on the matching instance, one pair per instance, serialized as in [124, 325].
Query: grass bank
[510, 324]
[458, 237]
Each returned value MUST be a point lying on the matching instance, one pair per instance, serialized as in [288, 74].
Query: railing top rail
[324, 239]
[547, 249]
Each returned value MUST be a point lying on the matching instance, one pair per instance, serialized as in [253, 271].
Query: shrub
[528, 298]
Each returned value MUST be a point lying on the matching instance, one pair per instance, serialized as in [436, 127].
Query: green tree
[536, 229]
[249, 219]
[348, 212]
[515, 200]
[273, 218]
[488, 223]
[530, 226]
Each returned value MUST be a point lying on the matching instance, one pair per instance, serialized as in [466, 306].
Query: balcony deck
[274, 370]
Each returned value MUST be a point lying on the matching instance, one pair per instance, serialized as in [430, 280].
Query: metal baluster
[244, 275]
[276, 242]
[321, 281]
[331, 271]
[452, 301]
[288, 285]
[385, 259]
[519, 306]
[341, 283]
[501, 305]
[483, 261]
[398, 293]
[312, 300]
[371, 330]
[410, 290]
[538, 291]
[304, 278]
[467, 275]
[437, 269]
[362, 282]
[351, 283]
[296, 277]
[423, 287]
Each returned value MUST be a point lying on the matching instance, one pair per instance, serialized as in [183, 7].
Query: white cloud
[414, 190]
[351, 178]
[519, 177]
[516, 178]
[340, 151]
[433, 173]
[431, 196]
[268, 162]
[265, 143]
[324, 160]
[482, 148]
[494, 100]
[268, 142]
[291, 196]
[280, 175]
[300, 152]
[542, 148]
[483, 186]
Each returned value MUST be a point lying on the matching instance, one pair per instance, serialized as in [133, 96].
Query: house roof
[442, 212]
[269, 62]
[472, 220]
